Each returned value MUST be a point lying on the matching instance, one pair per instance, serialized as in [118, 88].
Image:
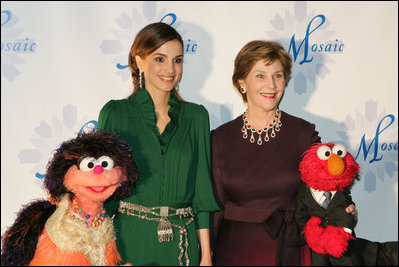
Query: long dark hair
[149, 39]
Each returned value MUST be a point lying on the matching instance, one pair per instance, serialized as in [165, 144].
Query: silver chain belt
[164, 230]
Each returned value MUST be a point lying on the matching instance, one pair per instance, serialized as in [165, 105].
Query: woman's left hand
[352, 210]
[206, 261]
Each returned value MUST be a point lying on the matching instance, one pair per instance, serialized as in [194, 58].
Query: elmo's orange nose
[335, 165]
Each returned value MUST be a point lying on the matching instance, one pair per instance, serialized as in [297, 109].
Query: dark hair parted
[254, 51]
[147, 40]
[93, 144]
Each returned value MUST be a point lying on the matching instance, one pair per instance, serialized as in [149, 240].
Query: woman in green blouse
[166, 220]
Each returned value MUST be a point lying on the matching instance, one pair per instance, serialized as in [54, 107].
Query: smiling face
[163, 68]
[95, 180]
[265, 85]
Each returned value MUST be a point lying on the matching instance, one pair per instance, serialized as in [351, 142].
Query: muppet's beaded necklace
[90, 220]
[274, 126]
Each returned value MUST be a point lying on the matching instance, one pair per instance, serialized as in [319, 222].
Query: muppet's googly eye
[324, 152]
[87, 164]
[340, 150]
[106, 162]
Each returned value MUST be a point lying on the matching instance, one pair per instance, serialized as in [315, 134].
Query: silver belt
[164, 230]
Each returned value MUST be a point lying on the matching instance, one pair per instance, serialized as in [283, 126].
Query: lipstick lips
[98, 189]
[166, 78]
[268, 95]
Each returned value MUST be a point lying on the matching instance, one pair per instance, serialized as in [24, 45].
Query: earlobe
[139, 62]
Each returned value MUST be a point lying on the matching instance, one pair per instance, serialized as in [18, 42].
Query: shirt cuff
[348, 230]
[202, 220]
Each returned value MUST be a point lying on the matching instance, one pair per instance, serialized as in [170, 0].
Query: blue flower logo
[13, 45]
[309, 44]
[373, 137]
[50, 136]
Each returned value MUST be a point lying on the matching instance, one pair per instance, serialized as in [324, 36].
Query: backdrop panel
[62, 61]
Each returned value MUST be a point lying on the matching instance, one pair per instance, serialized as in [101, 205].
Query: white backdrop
[59, 67]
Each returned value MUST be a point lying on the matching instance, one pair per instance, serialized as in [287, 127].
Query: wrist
[206, 253]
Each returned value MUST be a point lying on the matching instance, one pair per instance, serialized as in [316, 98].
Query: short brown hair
[147, 40]
[254, 51]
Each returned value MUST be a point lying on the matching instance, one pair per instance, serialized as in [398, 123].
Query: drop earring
[243, 90]
[140, 79]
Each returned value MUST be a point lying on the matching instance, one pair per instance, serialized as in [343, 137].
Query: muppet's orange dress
[67, 241]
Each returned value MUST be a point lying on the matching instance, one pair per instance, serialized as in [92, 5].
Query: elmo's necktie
[327, 200]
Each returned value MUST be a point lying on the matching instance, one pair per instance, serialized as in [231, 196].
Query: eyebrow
[164, 55]
[265, 72]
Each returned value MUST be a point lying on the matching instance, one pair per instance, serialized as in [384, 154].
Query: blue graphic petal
[380, 172]
[225, 112]
[371, 110]
[322, 70]
[9, 71]
[56, 125]
[70, 115]
[149, 9]
[29, 156]
[111, 46]
[124, 21]
[370, 181]
[277, 22]
[12, 34]
[300, 84]
[300, 10]
[390, 168]
[44, 130]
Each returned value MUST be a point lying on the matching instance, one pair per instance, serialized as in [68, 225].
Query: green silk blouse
[174, 171]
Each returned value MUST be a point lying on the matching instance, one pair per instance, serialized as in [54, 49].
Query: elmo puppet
[72, 227]
[328, 171]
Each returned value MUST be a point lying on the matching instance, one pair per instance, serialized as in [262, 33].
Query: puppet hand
[314, 235]
[337, 240]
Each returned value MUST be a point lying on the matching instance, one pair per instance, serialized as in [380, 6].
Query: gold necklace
[274, 126]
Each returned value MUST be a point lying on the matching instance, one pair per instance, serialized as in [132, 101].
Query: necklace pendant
[275, 126]
[273, 134]
[266, 137]
[259, 140]
[252, 139]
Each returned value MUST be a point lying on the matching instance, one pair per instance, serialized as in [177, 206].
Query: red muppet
[328, 172]
[73, 228]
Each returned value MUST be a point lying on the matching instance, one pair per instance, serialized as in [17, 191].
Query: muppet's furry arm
[19, 241]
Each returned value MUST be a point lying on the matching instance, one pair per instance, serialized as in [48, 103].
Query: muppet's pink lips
[98, 189]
